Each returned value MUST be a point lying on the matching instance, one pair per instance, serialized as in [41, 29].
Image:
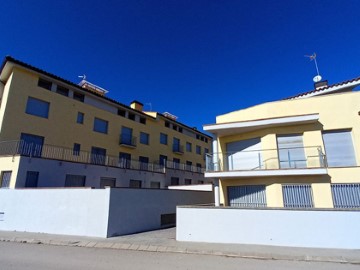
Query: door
[124, 160]
[31, 145]
[107, 182]
[98, 155]
[244, 155]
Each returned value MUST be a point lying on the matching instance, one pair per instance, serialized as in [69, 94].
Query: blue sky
[193, 58]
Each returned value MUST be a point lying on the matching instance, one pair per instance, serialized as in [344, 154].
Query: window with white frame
[339, 148]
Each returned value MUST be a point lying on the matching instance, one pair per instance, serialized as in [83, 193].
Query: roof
[345, 85]
[38, 70]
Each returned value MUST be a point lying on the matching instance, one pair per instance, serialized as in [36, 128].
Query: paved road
[16, 256]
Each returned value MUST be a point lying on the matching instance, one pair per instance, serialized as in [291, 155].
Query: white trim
[328, 90]
[262, 123]
[267, 173]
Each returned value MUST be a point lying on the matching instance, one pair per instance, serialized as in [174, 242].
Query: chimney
[136, 105]
[320, 84]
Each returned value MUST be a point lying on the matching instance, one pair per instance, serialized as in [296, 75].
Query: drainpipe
[216, 168]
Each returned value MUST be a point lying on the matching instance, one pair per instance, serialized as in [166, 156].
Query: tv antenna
[317, 78]
[83, 77]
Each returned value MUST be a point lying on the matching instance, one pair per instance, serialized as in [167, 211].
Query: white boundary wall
[92, 212]
[278, 227]
[59, 211]
[137, 210]
[203, 187]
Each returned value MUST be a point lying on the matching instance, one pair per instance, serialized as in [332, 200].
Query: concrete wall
[92, 212]
[136, 210]
[278, 227]
[58, 211]
[204, 187]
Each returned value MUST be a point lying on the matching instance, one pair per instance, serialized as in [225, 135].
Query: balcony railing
[21, 148]
[178, 148]
[272, 159]
[126, 140]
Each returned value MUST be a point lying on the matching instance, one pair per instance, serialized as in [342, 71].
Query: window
[163, 138]
[126, 136]
[180, 129]
[76, 149]
[187, 181]
[31, 145]
[247, 196]
[32, 179]
[121, 112]
[291, 151]
[188, 165]
[174, 181]
[297, 196]
[198, 167]
[78, 97]
[163, 160]
[124, 160]
[154, 184]
[206, 151]
[167, 124]
[107, 182]
[44, 84]
[144, 138]
[73, 180]
[100, 125]
[175, 127]
[176, 164]
[244, 155]
[132, 116]
[62, 90]
[5, 179]
[177, 148]
[339, 148]
[198, 149]
[200, 182]
[135, 184]
[144, 163]
[346, 195]
[37, 107]
[98, 155]
[143, 120]
[188, 147]
[80, 118]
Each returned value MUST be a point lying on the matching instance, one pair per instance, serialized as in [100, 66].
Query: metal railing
[21, 148]
[127, 140]
[271, 159]
[178, 148]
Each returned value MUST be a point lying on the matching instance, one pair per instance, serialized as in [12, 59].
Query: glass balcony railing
[272, 159]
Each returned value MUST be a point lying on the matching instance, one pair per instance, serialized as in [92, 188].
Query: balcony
[178, 148]
[262, 163]
[127, 141]
[51, 152]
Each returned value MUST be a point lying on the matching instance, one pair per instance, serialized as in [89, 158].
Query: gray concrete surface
[18, 256]
[164, 241]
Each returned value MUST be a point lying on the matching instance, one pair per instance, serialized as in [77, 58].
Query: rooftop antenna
[83, 77]
[150, 105]
[317, 78]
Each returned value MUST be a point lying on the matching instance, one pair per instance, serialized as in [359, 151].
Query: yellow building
[57, 133]
[300, 152]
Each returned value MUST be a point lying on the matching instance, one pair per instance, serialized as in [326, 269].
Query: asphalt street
[16, 256]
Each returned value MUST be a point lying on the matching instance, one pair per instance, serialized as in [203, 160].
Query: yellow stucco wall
[336, 112]
[61, 129]
[10, 164]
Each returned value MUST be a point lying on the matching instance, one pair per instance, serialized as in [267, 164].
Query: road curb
[172, 249]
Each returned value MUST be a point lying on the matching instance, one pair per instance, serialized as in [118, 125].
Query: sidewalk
[164, 241]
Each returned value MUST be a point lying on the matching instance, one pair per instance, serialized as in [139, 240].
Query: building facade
[301, 152]
[54, 133]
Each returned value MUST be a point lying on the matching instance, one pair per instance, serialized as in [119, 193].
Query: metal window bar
[346, 195]
[247, 196]
[297, 196]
